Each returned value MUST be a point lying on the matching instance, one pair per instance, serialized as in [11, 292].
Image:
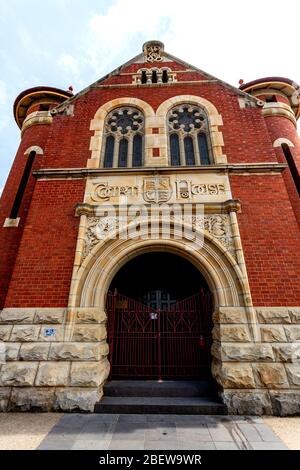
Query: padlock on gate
[201, 341]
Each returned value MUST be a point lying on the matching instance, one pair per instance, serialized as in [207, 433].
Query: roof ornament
[153, 51]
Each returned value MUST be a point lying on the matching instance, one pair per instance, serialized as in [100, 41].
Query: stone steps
[160, 405]
[154, 397]
[154, 388]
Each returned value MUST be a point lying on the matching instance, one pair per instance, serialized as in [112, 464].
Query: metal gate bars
[173, 343]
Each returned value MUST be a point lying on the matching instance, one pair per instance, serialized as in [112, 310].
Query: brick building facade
[155, 131]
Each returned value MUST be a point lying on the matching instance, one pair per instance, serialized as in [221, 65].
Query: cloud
[69, 64]
[125, 24]
[215, 36]
[3, 93]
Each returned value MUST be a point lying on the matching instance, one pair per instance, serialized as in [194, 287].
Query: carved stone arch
[97, 124]
[282, 140]
[34, 148]
[215, 120]
[94, 275]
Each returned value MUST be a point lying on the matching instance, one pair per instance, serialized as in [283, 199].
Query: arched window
[123, 138]
[189, 136]
[22, 186]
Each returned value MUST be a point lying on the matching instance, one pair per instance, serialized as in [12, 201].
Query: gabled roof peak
[154, 52]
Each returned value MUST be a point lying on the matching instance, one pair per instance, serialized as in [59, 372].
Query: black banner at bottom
[141, 459]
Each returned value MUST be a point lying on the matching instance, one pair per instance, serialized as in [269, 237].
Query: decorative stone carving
[101, 228]
[153, 51]
[217, 225]
[98, 228]
[157, 189]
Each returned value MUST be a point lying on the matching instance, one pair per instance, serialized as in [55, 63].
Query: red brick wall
[10, 237]
[43, 269]
[270, 238]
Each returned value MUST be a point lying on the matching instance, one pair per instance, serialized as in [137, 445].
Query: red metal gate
[171, 343]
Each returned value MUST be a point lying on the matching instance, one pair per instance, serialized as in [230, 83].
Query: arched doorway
[159, 311]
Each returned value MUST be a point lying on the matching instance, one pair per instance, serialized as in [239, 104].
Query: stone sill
[10, 223]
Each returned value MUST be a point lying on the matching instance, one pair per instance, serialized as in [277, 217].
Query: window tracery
[188, 136]
[123, 143]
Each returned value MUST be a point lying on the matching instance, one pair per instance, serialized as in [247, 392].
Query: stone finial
[153, 51]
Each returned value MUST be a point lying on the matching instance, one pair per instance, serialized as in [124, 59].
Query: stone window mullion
[182, 151]
[116, 152]
[196, 149]
[130, 151]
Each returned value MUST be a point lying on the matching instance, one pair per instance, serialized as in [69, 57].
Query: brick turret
[281, 111]
[32, 114]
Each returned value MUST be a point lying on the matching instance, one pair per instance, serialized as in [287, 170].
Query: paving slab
[158, 432]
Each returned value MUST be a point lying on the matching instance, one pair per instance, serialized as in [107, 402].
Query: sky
[75, 42]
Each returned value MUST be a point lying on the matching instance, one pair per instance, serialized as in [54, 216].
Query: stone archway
[97, 271]
[93, 276]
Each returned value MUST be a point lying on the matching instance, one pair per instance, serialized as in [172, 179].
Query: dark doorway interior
[157, 277]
